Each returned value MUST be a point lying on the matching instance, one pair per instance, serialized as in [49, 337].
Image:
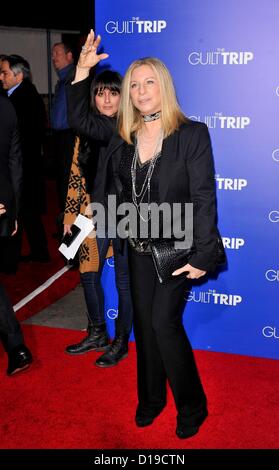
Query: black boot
[96, 340]
[117, 351]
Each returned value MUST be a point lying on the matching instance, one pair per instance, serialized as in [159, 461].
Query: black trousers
[163, 349]
[10, 330]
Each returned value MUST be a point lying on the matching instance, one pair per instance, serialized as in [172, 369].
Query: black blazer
[31, 116]
[10, 166]
[186, 170]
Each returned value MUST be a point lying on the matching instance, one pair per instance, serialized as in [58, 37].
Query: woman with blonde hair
[159, 156]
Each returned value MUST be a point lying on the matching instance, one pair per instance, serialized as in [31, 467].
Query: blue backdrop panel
[223, 57]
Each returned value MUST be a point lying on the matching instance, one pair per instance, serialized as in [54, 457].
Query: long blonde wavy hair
[130, 119]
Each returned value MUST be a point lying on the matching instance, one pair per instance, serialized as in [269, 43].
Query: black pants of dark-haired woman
[164, 352]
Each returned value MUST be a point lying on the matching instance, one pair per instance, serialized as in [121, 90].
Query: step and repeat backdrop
[224, 59]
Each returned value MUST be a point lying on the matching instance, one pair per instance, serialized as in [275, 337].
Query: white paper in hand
[86, 226]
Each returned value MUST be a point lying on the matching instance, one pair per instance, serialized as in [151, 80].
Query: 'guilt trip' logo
[135, 25]
[220, 57]
[272, 275]
[270, 332]
[211, 296]
[112, 313]
[274, 216]
[233, 243]
[230, 184]
[218, 121]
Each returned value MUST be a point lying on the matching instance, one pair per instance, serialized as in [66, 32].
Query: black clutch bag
[167, 258]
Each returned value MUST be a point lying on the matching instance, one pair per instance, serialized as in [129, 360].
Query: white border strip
[41, 288]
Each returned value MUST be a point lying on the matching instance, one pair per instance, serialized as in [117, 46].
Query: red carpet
[66, 402]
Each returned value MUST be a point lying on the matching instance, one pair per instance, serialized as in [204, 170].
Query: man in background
[15, 75]
[63, 136]
[19, 356]
[2, 91]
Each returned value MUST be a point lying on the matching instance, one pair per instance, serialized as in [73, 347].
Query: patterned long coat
[76, 203]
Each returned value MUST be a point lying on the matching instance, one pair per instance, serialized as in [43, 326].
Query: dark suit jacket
[186, 170]
[10, 166]
[31, 117]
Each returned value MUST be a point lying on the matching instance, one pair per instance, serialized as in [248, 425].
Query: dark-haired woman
[84, 184]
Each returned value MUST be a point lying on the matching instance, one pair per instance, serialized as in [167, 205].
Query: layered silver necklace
[138, 197]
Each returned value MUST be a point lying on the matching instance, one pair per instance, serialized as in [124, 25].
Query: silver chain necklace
[147, 180]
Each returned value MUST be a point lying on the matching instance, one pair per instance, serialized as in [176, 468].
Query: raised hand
[88, 57]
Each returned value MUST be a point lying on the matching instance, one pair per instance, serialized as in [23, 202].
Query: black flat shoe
[184, 429]
[20, 358]
[183, 432]
[144, 419]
